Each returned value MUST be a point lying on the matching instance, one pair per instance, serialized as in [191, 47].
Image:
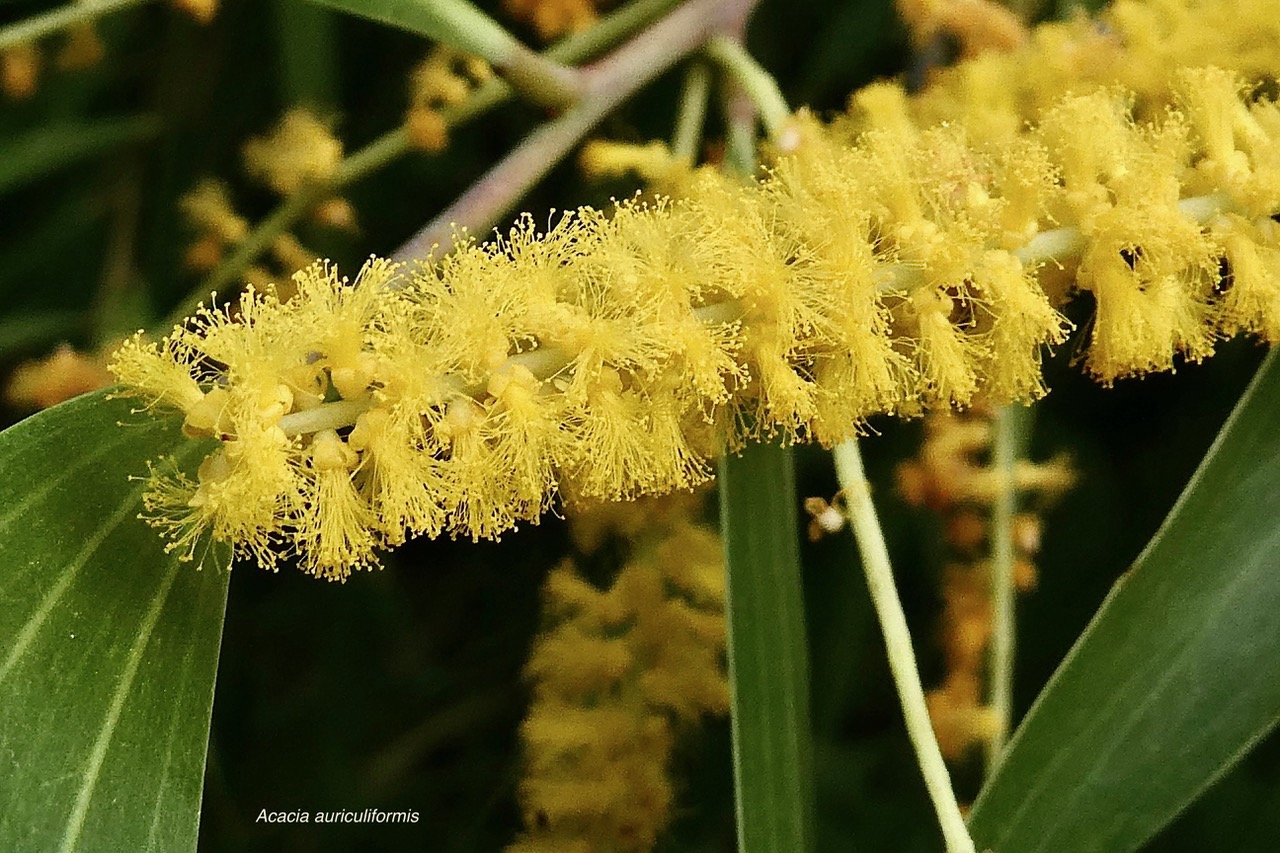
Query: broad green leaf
[1178, 674]
[768, 653]
[108, 646]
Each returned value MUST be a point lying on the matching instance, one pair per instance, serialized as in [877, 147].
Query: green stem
[1062, 244]
[759, 85]
[693, 112]
[1004, 456]
[902, 661]
[48, 23]
[463, 26]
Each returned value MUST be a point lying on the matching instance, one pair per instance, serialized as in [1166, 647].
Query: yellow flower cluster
[976, 25]
[613, 355]
[1139, 45]
[614, 675]
[554, 18]
[444, 79]
[298, 150]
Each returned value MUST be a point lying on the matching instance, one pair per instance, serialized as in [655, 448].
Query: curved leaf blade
[1176, 677]
[108, 646]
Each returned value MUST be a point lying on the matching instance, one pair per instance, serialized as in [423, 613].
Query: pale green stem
[335, 415]
[693, 112]
[902, 661]
[1004, 456]
[463, 26]
[1062, 244]
[38, 26]
[759, 85]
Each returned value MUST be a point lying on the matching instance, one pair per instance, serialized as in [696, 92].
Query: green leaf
[22, 332]
[108, 646]
[768, 653]
[1178, 674]
[454, 22]
[308, 47]
[47, 149]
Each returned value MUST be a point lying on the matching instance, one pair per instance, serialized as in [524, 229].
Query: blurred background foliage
[401, 689]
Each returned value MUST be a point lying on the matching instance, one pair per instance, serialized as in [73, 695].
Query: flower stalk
[897, 637]
[1006, 444]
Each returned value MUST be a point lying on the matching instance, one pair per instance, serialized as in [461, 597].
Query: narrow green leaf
[46, 149]
[108, 646]
[308, 50]
[454, 22]
[768, 654]
[20, 333]
[1177, 676]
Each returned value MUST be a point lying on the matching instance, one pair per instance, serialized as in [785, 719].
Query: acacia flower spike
[613, 356]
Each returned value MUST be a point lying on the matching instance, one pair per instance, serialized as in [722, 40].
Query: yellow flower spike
[298, 150]
[653, 162]
[615, 675]
[613, 355]
[45, 382]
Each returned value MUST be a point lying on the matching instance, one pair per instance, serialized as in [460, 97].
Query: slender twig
[1062, 245]
[1065, 243]
[395, 144]
[692, 113]
[48, 23]
[1004, 456]
[740, 130]
[902, 661]
[758, 84]
[608, 83]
